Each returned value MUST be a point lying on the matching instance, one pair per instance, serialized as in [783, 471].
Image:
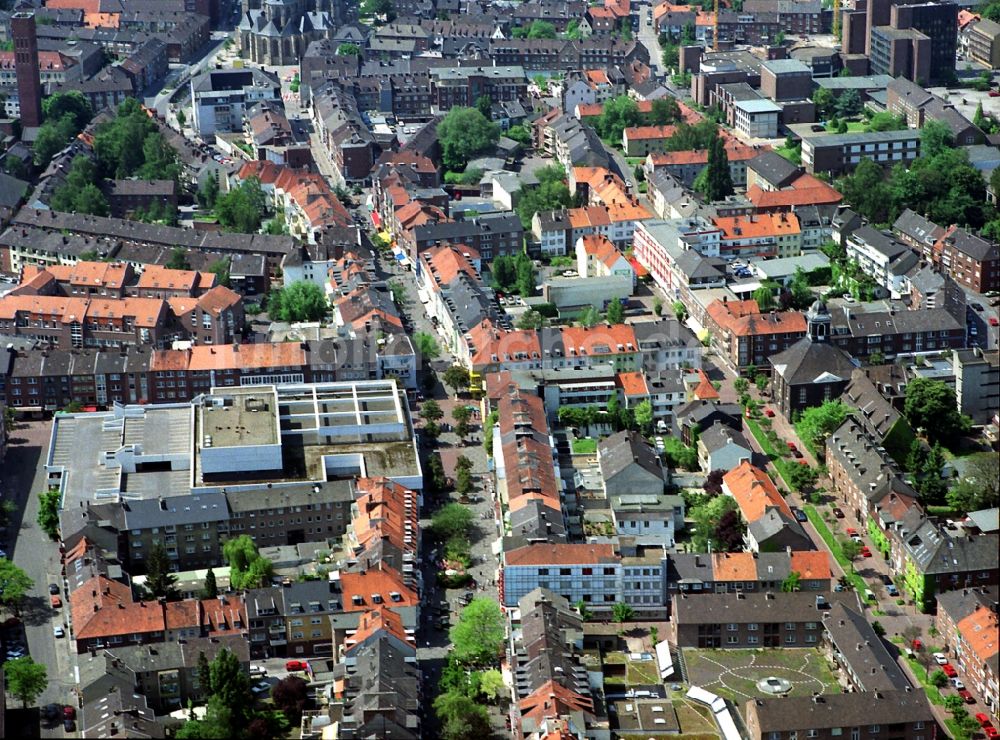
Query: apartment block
[840, 153]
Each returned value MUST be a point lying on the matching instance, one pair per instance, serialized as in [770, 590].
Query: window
[874, 729]
[790, 639]
[752, 626]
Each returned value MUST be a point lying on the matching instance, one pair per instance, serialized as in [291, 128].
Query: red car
[296, 665]
[917, 645]
[768, 413]
[851, 531]
[991, 732]
[69, 712]
[966, 696]
[949, 670]
[994, 94]
[982, 719]
[865, 552]
[801, 461]
[994, 321]
[791, 446]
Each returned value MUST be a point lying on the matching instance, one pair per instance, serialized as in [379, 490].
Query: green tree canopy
[931, 406]
[71, 103]
[541, 30]
[451, 520]
[159, 580]
[242, 209]
[550, 193]
[618, 114]
[765, 298]
[457, 377]
[978, 487]
[664, 111]
[48, 512]
[247, 569]
[462, 718]
[818, 422]
[715, 182]
[622, 612]
[14, 584]
[426, 345]
[478, 635]
[349, 50]
[25, 678]
[303, 300]
[463, 133]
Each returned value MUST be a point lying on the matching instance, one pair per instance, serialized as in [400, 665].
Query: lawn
[933, 694]
[780, 464]
[734, 673]
[824, 531]
[584, 446]
[793, 154]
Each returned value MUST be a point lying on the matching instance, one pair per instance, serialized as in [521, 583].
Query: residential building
[722, 448]
[770, 522]
[597, 256]
[878, 417]
[629, 464]
[882, 258]
[984, 43]
[577, 572]
[917, 105]
[747, 621]
[747, 337]
[977, 383]
[733, 572]
[759, 235]
[969, 259]
[220, 98]
[967, 621]
[463, 86]
[905, 714]
[860, 652]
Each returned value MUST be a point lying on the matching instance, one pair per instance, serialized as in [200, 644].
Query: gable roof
[754, 491]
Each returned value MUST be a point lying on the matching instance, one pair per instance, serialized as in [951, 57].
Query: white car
[940, 659]
[957, 683]
[58, 631]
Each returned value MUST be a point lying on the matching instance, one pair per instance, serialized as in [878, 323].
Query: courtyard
[735, 674]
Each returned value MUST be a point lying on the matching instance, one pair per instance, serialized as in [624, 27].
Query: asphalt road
[23, 477]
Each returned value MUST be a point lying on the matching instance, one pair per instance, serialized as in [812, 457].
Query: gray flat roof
[870, 137]
[758, 106]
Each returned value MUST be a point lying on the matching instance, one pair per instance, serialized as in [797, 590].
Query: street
[30, 548]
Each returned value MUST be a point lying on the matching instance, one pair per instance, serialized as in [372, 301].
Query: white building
[221, 97]
[757, 119]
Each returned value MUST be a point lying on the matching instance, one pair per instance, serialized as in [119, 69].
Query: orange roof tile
[981, 632]
[789, 322]
[560, 554]
[754, 491]
[704, 391]
[632, 384]
[597, 76]
[157, 277]
[385, 510]
[218, 299]
[645, 133]
[223, 616]
[230, 357]
[552, 699]
[599, 340]
[382, 582]
[734, 566]
[811, 564]
[375, 621]
[446, 261]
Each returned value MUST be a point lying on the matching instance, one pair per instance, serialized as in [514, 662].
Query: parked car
[917, 645]
[957, 683]
[983, 719]
[791, 446]
[852, 532]
[892, 590]
[866, 552]
[838, 513]
[949, 670]
[53, 589]
[991, 732]
[967, 697]
[58, 631]
[69, 725]
[296, 665]
[769, 413]
[56, 602]
[800, 515]
[69, 712]
[261, 687]
[886, 581]
[994, 321]
[940, 659]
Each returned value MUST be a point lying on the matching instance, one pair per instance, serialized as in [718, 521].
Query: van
[869, 595]
[257, 671]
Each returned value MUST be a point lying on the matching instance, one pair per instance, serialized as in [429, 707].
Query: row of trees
[614, 415]
[623, 112]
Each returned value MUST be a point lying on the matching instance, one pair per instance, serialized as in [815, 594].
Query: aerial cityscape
[531, 369]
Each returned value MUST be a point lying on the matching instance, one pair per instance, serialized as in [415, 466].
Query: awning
[376, 219]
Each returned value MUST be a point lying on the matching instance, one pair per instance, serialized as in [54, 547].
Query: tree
[615, 313]
[953, 703]
[761, 381]
[792, 582]
[978, 488]
[451, 520]
[801, 477]
[478, 635]
[204, 675]
[426, 345]
[848, 103]
[708, 516]
[729, 531]
[886, 121]
[550, 193]
[430, 410]
[208, 192]
[72, 103]
[461, 415]
[463, 482]
[457, 377]
[680, 455]
[617, 114]
[541, 30]
[588, 317]
[935, 138]
[664, 111]
[644, 416]
[349, 50]
[26, 679]
[713, 482]
[531, 319]
[247, 569]
[14, 584]
[622, 612]
[464, 133]
[491, 684]
[178, 260]
[303, 300]
[930, 405]
[231, 686]
[51, 138]
[818, 422]
[379, 8]
[462, 718]
[680, 311]
[159, 580]
[48, 512]
[242, 209]
[484, 104]
[583, 610]
[181, 117]
[851, 549]
[938, 679]
[290, 695]
[658, 306]
[210, 590]
[439, 480]
[764, 298]
[823, 99]
[715, 182]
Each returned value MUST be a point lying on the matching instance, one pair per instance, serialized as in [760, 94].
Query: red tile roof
[560, 554]
[754, 491]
